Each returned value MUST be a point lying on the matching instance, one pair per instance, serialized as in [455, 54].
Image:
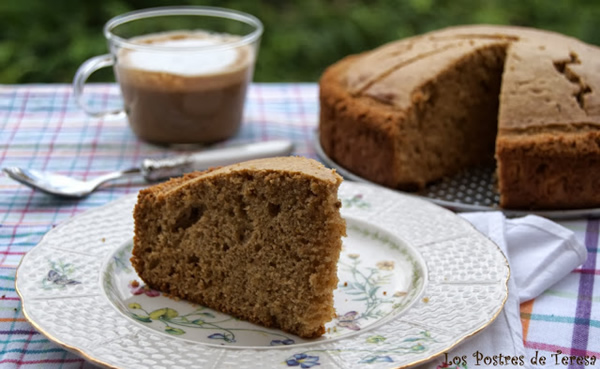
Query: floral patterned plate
[415, 280]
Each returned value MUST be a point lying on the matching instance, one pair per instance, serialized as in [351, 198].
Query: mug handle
[83, 73]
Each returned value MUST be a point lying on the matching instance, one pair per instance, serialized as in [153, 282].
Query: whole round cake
[414, 111]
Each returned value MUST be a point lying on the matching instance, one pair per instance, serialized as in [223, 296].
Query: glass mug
[183, 71]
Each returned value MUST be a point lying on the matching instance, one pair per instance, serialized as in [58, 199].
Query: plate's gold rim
[492, 319]
[48, 335]
[92, 359]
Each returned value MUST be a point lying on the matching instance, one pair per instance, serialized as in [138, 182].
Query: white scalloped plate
[415, 280]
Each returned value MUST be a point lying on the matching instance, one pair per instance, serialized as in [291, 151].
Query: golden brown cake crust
[413, 111]
[259, 240]
[397, 136]
[346, 127]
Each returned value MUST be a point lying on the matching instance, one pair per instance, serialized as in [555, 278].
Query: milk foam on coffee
[184, 62]
[191, 88]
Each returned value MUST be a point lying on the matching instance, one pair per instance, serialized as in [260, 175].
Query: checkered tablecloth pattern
[41, 127]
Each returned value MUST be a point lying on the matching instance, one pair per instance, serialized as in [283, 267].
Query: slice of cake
[259, 240]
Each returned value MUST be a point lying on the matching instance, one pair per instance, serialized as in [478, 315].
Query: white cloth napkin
[540, 253]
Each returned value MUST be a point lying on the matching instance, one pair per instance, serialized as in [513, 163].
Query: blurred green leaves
[45, 41]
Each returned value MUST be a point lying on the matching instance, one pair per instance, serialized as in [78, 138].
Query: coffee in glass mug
[180, 85]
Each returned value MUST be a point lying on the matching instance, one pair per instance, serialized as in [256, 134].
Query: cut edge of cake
[259, 240]
[364, 124]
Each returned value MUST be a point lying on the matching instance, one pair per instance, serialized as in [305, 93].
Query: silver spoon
[151, 170]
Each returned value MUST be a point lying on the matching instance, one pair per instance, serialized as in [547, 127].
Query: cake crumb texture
[259, 240]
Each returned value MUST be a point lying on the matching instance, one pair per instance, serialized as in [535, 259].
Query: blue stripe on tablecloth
[586, 290]
[586, 322]
[21, 340]
[29, 351]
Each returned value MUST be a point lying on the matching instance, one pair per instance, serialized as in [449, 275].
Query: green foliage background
[45, 41]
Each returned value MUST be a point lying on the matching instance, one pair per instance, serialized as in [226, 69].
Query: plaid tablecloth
[42, 128]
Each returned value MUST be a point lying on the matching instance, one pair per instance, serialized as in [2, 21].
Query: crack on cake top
[398, 66]
[477, 36]
[562, 67]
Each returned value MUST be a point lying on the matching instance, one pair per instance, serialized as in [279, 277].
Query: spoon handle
[153, 169]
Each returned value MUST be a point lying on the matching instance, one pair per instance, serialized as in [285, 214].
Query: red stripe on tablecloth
[587, 271]
[565, 350]
[23, 353]
[12, 253]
